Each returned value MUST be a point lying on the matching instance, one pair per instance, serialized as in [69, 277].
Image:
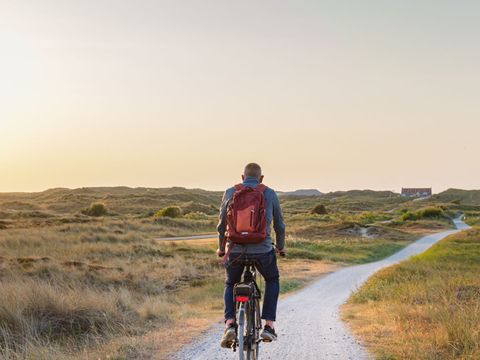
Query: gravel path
[309, 325]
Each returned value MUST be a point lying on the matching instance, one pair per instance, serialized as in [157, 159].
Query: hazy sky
[331, 95]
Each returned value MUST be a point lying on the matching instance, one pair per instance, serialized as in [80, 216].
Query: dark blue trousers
[267, 266]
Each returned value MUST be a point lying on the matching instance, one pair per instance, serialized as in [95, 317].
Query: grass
[78, 286]
[472, 218]
[76, 294]
[425, 308]
[347, 250]
[463, 197]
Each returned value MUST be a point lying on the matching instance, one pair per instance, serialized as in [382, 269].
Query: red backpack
[246, 219]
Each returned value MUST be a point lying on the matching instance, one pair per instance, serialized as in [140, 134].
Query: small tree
[320, 209]
[96, 209]
[169, 211]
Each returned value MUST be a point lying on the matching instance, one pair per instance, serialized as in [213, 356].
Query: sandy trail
[308, 323]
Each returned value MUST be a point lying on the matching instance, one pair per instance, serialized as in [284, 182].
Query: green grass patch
[348, 250]
[288, 285]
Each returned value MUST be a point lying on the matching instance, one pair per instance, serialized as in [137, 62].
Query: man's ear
[261, 178]
[243, 177]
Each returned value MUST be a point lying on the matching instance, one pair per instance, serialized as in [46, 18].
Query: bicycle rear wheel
[241, 332]
[258, 327]
[253, 329]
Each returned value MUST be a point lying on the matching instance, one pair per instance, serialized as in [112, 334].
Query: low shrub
[371, 217]
[431, 212]
[427, 213]
[96, 209]
[319, 209]
[409, 216]
[169, 211]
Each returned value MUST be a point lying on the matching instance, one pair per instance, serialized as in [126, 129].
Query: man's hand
[220, 253]
[282, 252]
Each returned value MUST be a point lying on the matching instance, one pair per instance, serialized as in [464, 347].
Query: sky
[333, 95]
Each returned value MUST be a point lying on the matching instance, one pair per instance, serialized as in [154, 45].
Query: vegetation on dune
[430, 212]
[96, 209]
[472, 218]
[83, 285]
[121, 200]
[169, 211]
[84, 288]
[347, 250]
[426, 307]
[458, 196]
[319, 209]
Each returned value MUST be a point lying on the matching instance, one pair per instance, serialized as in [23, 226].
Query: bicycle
[247, 302]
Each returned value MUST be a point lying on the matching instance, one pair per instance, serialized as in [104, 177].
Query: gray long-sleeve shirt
[273, 214]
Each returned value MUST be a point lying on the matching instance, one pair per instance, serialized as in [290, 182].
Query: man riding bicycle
[260, 247]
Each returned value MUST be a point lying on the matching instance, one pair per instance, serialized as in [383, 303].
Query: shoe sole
[228, 340]
[268, 337]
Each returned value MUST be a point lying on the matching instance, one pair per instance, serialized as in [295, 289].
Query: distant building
[417, 192]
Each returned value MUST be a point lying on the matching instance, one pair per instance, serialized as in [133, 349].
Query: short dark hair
[253, 170]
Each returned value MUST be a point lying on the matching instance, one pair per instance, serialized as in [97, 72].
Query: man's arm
[222, 224]
[278, 223]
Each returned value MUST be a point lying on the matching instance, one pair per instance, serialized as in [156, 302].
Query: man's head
[253, 170]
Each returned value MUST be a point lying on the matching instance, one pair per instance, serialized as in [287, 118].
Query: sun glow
[169, 94]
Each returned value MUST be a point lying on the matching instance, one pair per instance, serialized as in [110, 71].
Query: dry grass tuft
[41, 313]
[424, 308]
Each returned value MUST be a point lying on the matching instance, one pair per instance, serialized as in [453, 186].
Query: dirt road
[308, 322]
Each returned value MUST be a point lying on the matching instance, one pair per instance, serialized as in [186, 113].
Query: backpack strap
[227, 254]
[261, 187]
[239, 187]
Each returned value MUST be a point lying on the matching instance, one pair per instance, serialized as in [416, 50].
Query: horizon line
[216, 190]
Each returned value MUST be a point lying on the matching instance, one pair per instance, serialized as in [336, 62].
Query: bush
[96, 209]
[367, 218]
[320, 209]
[169, 211]
[427, 213]
[432, 212]
[409, 216]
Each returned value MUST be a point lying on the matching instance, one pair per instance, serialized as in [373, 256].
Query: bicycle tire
[258, 327]
[250, 313]
[253, 330]
[241, 332]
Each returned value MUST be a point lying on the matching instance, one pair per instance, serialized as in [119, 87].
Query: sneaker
[268, 334]
[229, 336]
